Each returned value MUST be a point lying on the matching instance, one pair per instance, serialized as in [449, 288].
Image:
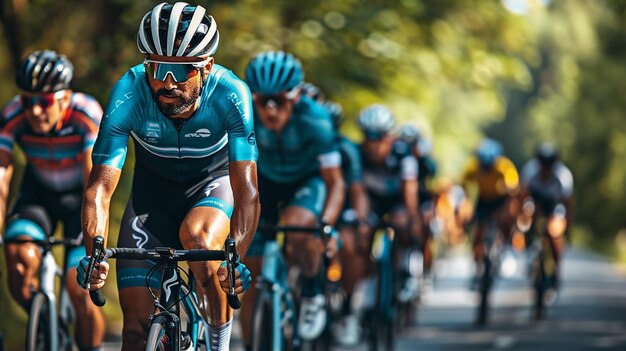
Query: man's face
[377, 147]
[275, 110]
[44, 110]
[176, 82]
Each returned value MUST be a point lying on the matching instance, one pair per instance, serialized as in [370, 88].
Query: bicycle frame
[274, 273]
[61, 313]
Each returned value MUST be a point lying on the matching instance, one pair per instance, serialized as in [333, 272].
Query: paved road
[590, 313]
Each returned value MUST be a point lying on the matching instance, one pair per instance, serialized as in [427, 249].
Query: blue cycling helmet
[488, 152]
[273, 72]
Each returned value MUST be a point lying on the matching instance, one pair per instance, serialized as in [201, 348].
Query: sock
[220, 336]
[346, 309]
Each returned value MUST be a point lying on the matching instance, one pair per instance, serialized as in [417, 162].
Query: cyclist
[390, 175]
[354, 228]
[195, 170]
[56, 128]
[497, 180]
[550, 185]
[427, 168]
[300, 178]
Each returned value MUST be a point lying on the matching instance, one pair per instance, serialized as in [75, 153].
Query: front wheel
[262, 325]
[158, 338]
[39, 333]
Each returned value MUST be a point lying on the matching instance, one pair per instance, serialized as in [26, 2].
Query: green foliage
[458, 69]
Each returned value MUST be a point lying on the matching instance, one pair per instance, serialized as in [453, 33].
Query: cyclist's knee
[204, 227]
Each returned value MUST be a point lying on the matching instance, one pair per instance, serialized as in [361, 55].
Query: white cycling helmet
[181, 30]
[376, 120]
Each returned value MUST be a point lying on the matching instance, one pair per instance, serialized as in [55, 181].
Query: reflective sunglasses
[44, 100]
[180, 71]
[277, 100]
[374, 135]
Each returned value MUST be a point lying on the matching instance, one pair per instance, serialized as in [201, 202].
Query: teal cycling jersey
[220, 130]
[306, 144]
[351, 163]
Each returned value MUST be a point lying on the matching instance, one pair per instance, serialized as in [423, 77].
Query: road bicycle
[51, 316]
[494, 246]
[380, 320]
[275, 322]
[543, 266]
[167, 330]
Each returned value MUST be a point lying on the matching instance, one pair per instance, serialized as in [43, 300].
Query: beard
[184, 100]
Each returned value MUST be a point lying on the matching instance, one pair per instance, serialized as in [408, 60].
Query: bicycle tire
[262, 323]
[540, 288]
[486, 281]
[38, 333]
[154, 342]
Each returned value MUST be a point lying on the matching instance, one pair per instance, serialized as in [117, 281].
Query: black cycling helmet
[546, 153]
[44, 72]
[180, 30]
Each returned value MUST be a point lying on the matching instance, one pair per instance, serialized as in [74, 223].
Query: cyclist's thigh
[207, 223]
[69, 211]
[307, 203]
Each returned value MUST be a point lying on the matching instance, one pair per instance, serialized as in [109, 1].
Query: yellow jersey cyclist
[390, 176]
[195, 171]
[497, 183]
[56, 128]
[549, 184]
[300, 181]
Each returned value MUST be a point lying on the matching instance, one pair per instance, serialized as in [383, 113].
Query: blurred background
[519, 71]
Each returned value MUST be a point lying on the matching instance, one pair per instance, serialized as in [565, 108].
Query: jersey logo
[207, 191]
[200, 133]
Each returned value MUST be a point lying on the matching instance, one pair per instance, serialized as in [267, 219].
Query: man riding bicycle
[300, 179]
[549, 184]
[421, 148]
[390, 175]
[497, 181]
[195, 181]
[354, 228]
[56, 128]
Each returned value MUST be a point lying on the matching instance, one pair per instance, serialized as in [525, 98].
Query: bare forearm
[410, 195]
[95, 216]
[334, 200]
[359, 200]
[6, 173]
[245, 217]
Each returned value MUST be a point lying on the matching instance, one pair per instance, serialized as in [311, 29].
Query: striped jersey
[56, 158]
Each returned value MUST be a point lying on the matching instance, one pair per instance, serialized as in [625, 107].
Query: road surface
[590, 313]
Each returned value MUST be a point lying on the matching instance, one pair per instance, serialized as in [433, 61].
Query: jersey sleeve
[509, 173]
[567, 180]
[8, 123]
[352, 158]
[409, 168]
[112, 143]
[239, 122]
[91, 112]
[325, 138]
